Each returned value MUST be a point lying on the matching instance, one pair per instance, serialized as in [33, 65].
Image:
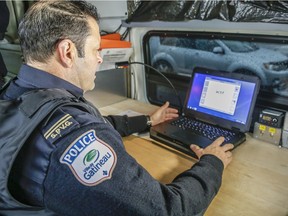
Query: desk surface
[254, 184]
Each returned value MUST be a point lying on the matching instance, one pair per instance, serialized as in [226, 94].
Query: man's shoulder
[66, 120]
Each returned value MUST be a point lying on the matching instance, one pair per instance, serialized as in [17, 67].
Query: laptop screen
[222, 96]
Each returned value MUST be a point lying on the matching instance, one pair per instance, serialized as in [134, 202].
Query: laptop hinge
[235, 129]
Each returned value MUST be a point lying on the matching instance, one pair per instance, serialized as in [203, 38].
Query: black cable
[115, 31]
[170, 83]
[124, 35]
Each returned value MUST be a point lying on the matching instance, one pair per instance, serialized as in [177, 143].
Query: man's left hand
[164, 113]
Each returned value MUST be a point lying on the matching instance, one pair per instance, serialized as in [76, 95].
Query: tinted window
[176, 54]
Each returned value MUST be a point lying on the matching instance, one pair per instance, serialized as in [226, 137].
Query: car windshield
[240, 46]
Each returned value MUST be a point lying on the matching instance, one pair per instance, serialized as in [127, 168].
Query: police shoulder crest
[90, 159]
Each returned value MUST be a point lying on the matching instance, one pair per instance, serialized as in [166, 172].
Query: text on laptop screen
[221, 97]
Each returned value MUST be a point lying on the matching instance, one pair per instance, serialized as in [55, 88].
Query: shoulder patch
[59, 127]
[90, 159]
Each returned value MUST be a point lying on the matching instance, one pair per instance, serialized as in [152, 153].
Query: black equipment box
[271, 118]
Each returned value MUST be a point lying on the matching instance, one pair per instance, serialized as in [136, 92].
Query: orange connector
[113, 41]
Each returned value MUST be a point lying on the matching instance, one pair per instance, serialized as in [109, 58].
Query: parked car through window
[180, 55]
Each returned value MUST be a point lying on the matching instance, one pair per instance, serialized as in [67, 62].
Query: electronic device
[217, 99]
[267, 133]
[285, 132]
[271, 118]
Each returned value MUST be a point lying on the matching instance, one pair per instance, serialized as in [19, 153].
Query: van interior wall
[114, 83]
[110, 87]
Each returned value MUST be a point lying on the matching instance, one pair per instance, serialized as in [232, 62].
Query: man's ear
[66, 52]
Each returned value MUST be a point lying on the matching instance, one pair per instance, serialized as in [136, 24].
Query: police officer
[76, 164]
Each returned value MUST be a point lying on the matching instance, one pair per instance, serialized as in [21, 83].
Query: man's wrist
[148, 122]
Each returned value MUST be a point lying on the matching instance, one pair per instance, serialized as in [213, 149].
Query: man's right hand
[222, 152]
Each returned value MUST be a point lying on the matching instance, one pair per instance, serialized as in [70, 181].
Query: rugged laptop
[217, 104]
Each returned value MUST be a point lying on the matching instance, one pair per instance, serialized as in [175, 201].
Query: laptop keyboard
[209, 131]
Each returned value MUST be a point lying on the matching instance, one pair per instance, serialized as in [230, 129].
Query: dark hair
[48, 22]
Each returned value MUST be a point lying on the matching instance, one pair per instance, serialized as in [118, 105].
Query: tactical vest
[18, 119]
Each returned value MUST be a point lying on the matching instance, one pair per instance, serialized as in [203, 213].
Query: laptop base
[184, 147]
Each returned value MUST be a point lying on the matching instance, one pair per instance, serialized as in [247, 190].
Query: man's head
[60, 30]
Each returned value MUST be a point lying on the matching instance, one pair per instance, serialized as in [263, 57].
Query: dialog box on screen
[220, 95]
